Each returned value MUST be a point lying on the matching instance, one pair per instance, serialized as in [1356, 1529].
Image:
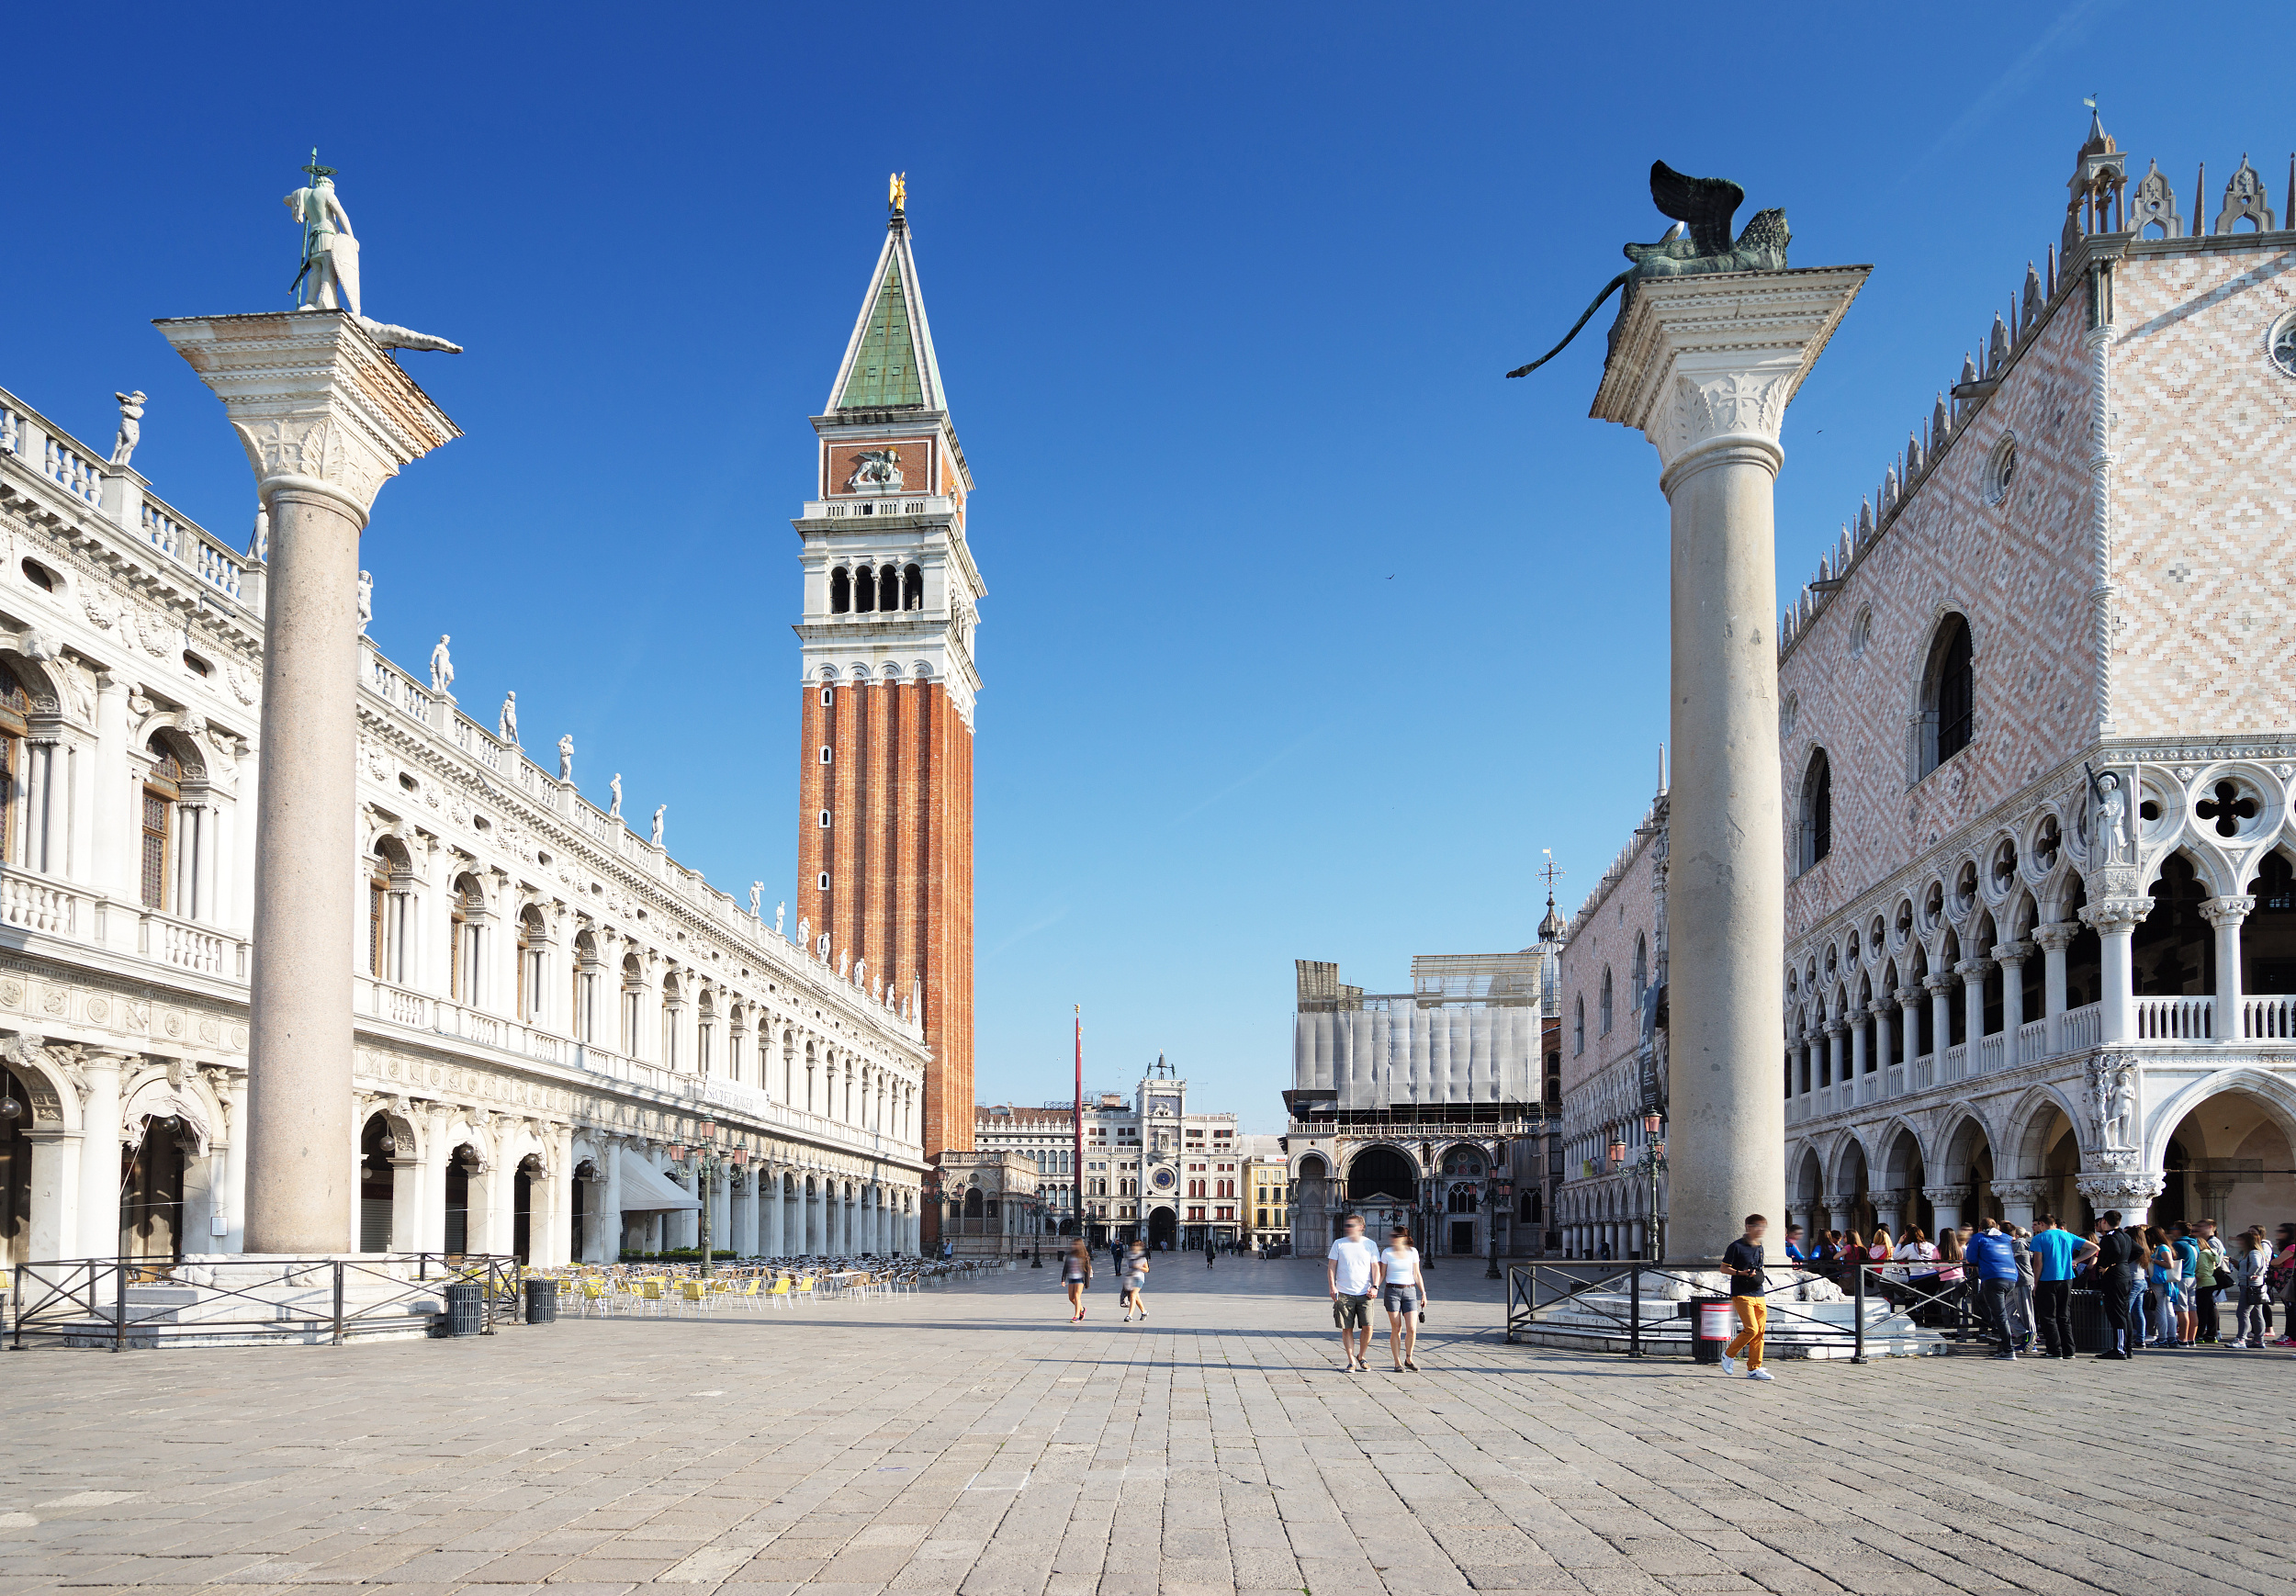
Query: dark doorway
[580, 1207]
[16, 1174]
[523, 1208]
[1377, 1172]
[1163, 1224]
[458, 1200]
[151, 1195]
[1463, 1237]
[376, 1147]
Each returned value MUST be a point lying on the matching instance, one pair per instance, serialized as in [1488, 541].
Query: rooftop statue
[1698, 242]
[329, 279]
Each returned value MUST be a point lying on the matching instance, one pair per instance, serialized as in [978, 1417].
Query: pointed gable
[889, 360]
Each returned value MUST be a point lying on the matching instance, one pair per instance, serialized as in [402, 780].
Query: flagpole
[1077, 1185]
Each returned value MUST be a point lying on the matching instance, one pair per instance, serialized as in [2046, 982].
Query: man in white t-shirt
[1352, 1267]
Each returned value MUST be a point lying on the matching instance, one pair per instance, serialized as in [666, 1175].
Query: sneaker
[1757, 1374]
[1730, 1364]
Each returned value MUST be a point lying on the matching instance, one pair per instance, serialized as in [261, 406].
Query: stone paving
[973, 1440]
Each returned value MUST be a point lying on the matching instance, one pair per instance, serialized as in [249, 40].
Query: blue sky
[1305, 632]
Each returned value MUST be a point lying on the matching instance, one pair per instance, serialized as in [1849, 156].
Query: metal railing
[1535, 1290]
[88, 1301]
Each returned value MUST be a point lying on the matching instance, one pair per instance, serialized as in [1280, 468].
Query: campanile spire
[891, 600]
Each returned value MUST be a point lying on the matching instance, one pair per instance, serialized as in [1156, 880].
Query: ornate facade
[2040, 759]
[546, 1002]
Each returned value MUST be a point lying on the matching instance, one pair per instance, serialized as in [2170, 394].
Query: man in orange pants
[1742, 1258]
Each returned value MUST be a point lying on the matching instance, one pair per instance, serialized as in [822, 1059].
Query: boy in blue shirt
[2057, 1256]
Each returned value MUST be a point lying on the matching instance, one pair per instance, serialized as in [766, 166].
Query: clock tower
[884, 820]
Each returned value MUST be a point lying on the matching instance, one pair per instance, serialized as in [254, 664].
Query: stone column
[407, 1170]
[326, 416]
[2020, 1199]
[606, 1229]
[2114, 920]
[2011, 957]
[1860, 1058]
[98, 1198]
[234, 1193]
[436, 1151]
[1705, 367]
[1880, 1012]
[1843, 1207]
[1835, 1031]
[1973, 973]
[2225, 915]
[1909, 1021]
[113, 863]
[1941, 986]
[776, 1244]
[1945, 1206]
[54, 1195]
[2128, 1192]
[2054, 940]
[1889, 1208]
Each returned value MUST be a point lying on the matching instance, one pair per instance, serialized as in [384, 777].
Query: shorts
[1400, 1299]
[1134, 1282]
[1351, 1313]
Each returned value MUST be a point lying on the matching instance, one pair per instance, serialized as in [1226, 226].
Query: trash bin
[2092, 1331]
[465, 1308]
[1717, 1322]
[542, 1302]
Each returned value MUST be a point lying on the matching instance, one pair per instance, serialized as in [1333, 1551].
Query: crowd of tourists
[2164, 1288]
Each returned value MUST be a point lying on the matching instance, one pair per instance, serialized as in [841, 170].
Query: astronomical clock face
[1163, 1179]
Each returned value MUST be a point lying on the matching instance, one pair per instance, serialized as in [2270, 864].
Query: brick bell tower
[885, 822]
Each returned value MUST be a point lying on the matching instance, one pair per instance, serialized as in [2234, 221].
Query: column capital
[2117, 916]
[2130, 1191]
[1955, 1195]
[1836, 1027]
[1837, 1202]
[1973, 971]
[1704, 365]
[1938, 984]
[2057, 936]
[1908, 996]
[2020, 1191]
[2227, 911]
[2013, 954]
[320, 407]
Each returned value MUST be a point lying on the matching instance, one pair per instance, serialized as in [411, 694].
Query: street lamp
[1651, 1164]
[1036, 1214]
[707, 1159]
[1495, 1192]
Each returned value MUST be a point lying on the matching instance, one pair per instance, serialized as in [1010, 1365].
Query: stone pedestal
[326, 417]
[1705, 367]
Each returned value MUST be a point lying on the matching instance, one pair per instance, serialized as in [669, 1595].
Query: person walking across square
[1351, 1269]
[1742, 1258]
[1403, 1293]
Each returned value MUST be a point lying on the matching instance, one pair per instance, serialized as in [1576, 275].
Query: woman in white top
[1402, 1292]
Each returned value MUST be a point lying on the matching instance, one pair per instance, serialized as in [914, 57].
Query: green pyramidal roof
[884, 367]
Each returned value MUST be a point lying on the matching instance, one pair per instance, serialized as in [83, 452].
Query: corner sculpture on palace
[130, 426]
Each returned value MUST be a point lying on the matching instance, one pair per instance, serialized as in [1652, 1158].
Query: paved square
[973, 1440]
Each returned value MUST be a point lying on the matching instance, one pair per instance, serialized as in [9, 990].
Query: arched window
[865, 588]
[704, 1025]
[840, 592]
[585, 1010]
[672, 1011]
[390, 913]
[466, 947]
[912, 588]
[1641, 976]
[1606, 1001]
[533, 942]
[1578, 1024]
[15, 705]
[163, 786]
[633, 997]
[1818, 809]
[1949, 695]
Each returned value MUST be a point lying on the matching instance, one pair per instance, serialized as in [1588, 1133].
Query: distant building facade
[1266, 1192]
[1427, 1107]
[1158, 1170]
[1046, 1137]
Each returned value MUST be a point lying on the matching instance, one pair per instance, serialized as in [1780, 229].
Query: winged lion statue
[1699, 242]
